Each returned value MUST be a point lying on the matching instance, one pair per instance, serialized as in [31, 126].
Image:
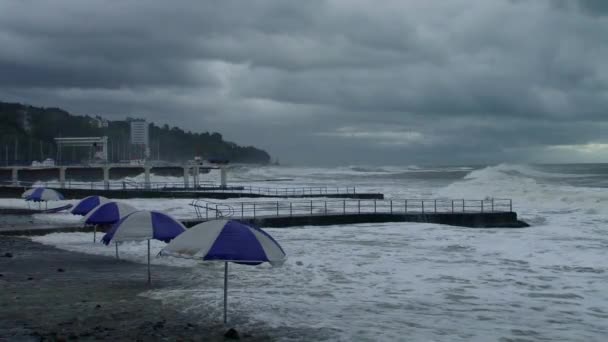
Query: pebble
[232, 334]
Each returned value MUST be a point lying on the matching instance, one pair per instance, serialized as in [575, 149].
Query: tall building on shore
[140, 135]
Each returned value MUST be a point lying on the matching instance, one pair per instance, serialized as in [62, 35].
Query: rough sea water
[412, 281]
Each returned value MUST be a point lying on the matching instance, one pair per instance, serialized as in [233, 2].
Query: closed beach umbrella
[88, 203]
[227, 241]
[107, 214]
[144, 225]
[42, 195]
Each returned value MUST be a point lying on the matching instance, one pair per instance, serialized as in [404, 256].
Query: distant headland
[27, 133]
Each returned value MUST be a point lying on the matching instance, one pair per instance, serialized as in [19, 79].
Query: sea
[410, 281]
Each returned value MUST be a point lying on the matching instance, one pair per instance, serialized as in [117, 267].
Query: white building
[140, 135]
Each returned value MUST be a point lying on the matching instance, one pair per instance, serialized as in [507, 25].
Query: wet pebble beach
[52, 294]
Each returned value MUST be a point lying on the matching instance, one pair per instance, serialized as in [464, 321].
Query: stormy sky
[329, 82]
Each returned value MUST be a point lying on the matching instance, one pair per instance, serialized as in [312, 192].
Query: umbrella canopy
[42, 195]
[108, 213]
[144, 225]
[87, 204]
[227, 241]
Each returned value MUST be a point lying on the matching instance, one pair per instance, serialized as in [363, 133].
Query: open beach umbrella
[144, 225]
[227, 241]
[107, 214]
[42, 195]
[87, 204]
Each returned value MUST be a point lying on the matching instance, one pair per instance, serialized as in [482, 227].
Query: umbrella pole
[116, 249]
[94, 233]
[149, 277]
[225, 289]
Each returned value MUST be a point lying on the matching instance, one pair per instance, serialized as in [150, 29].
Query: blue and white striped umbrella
[227, 241]
[88, 203]
[144, 225]
[42, 195]
[108, 213]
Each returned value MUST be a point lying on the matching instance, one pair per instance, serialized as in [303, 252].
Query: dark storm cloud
[336, 81]
[596, 7]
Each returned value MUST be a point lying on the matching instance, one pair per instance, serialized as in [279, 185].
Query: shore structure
[486, 213]
[19, 175]
[108, 180]
[489, 213]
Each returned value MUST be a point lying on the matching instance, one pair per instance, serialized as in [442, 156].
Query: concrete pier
[205, 192]
[106, 178]
[62, 177]
[470, 220]
[20, 175]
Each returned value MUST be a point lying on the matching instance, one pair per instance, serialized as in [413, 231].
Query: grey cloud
[331, 81]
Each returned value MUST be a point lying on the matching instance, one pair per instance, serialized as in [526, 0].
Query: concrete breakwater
[470, 220]
[201, 192]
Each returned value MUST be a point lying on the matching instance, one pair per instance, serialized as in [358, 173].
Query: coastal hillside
[27, 133]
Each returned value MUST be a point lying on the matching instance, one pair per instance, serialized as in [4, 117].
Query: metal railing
[111, 185]
[290, 191]
[208, 210]
[319, 191]
[218, 210]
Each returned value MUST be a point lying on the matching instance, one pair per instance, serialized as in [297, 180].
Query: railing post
[374, 206]
[343, 207]
[277, 208]
[207, 211]
[253, 209]
[311, 207]
[242, 210]
[463, 205]
[391, 207]
[510, 205]
[492, 204]
[435, 206]
[359, 206]
[482, 206]
[423, 206]
[290, 209]
[325, 207]
[216, 212]
[406, 206]
[452, 206]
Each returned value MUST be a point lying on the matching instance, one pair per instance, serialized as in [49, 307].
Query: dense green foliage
[22, 142]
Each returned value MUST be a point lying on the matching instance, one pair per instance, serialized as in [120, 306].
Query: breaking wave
[530, 188]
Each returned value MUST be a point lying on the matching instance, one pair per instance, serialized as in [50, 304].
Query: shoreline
[53, 294]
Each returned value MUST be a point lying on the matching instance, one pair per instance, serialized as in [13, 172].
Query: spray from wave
[530, 188]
